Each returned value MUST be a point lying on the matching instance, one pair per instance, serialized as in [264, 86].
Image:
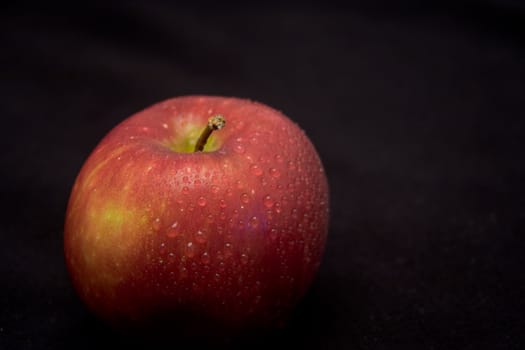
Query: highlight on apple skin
[230, 236]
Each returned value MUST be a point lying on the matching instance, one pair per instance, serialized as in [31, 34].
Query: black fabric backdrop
[416, 111]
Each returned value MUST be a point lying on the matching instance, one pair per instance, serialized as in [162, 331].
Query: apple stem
[214, 123]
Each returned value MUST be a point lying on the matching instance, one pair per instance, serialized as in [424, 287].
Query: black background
[416, 111]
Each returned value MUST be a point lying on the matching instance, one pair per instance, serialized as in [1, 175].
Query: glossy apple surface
[231, 236]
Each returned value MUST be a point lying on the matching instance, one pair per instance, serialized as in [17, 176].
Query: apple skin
[229, 237]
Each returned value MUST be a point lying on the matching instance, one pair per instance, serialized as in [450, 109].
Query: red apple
[231, 235]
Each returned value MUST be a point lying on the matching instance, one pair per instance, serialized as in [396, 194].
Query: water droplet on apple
[201, 201]
[185, 190]
[268, 201]
[279, 158]
[172, 231]
[185, 179]
[228, 250]
[214, 189]
[190, 250]
[156, 224]
[201, 236]
[245, 198]
[222, 203]
[256, 170]
[244, 259]
[239, 148]
[205, 258]
[275, 173]
[273, 234]
[254, 222]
